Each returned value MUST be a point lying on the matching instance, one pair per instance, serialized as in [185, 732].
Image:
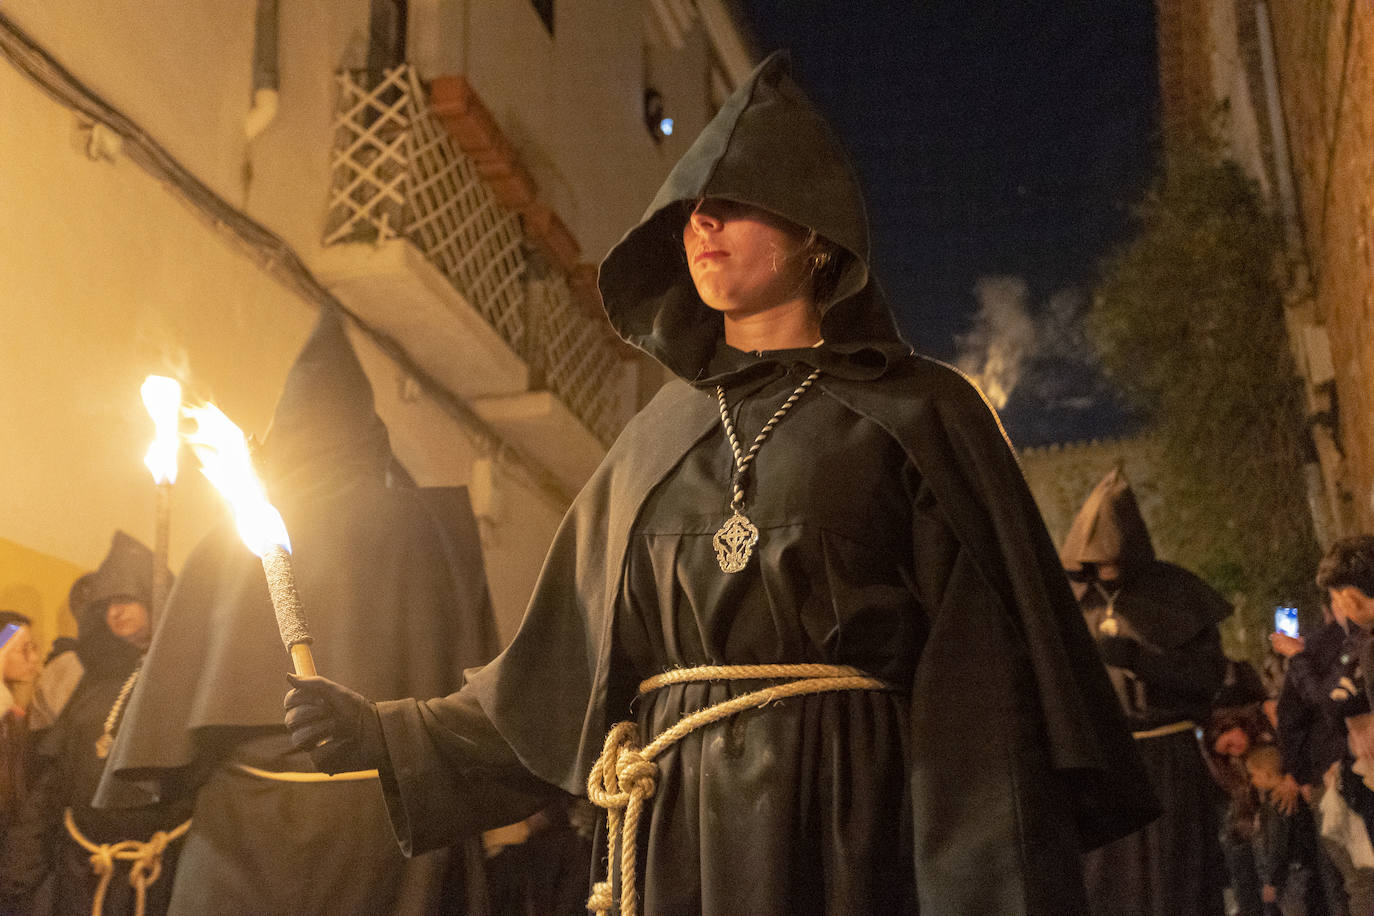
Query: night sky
[994, 140]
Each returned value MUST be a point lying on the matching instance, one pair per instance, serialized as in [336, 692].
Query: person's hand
[1307, 794]
[1269, 894]
[1285, 645]
[336, 726]
[1119, 651]
[1285, 795]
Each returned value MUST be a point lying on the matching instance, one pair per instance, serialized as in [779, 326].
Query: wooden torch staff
[162, 526]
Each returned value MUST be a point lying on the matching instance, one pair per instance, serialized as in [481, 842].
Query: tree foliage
[1188, 320]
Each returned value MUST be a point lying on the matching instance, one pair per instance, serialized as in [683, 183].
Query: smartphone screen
[1286, 621]
[7, 633]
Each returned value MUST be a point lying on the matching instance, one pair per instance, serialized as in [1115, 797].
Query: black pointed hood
[767, 147]
[326, 436]
[1109, 528]
[1162, 604]
[125, 573]
[390, 578]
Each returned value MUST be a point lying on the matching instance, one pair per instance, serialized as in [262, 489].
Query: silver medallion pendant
[734, 543]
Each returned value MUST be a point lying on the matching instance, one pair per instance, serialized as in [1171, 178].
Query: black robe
[1006, 755]
[1174, 866]
[394, 592]
[67, 771]
[897, 534]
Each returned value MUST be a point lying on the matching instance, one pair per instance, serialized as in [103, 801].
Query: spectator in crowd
[56, 850]
[1346, 803]
[56, 681]
[1285, 839]
[18, 667]
[1156, 630]
[61, 670]
[1313, 745]
[1237, 723]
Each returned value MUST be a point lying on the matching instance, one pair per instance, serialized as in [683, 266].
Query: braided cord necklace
[106, 739]
[735, 540]
[1108, 626]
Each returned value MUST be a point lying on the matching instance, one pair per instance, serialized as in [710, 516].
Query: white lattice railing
[576, 358]
[398, 174]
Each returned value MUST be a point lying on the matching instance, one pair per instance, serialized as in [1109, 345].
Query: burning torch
[162, 398]
[227, 463]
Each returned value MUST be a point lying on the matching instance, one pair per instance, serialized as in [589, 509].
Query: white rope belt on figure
[145, 860]
[294, 776]
[625, 776]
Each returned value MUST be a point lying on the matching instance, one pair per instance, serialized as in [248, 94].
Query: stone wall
[1062, 476]
[1185, 73]
[1325, 51]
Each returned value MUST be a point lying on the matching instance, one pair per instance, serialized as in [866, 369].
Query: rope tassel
[146, 859]
[621, 780]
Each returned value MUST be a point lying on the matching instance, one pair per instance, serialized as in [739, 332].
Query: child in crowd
[1285, 839]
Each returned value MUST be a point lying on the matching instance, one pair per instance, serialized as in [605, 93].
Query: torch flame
[162, 397]
[226, 461]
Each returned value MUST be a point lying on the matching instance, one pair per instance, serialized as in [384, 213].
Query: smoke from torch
[227, 463]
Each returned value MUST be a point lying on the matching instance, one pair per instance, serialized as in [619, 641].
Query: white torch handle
[281, 585]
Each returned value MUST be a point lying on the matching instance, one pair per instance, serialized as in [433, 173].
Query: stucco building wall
[110, 277]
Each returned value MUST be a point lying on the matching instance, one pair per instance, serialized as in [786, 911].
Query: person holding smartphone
[57, 841]
[18, 665]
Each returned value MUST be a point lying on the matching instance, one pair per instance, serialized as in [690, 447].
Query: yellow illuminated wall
[36, 584]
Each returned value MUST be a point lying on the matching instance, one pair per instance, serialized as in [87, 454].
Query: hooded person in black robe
[896, 536]
[52, 845]
[1156, 630]
[393, 588]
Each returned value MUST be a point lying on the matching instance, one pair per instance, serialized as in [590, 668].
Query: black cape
[1017, 751]
[393, 588]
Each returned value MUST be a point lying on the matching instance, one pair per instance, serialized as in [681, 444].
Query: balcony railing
[398, 174]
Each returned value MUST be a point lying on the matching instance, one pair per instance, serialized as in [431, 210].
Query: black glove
[1119, 651]
[337, 727]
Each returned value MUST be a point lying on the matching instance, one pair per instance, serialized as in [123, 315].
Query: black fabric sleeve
[1296, 717]
[1188, 676]
[26, 854]
[448, 773]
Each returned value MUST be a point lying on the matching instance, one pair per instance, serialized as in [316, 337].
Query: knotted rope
[624, 777]
[145, 859]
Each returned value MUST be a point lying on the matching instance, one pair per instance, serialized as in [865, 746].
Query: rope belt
[625, 776]
[1173, 728]
[293, 776]
[146, 859]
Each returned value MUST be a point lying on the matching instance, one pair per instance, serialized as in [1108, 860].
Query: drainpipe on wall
[266, 78]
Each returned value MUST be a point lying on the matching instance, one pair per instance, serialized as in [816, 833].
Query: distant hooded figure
[811, 576]
[393, 587]
[60, 834]
[1156, 630]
